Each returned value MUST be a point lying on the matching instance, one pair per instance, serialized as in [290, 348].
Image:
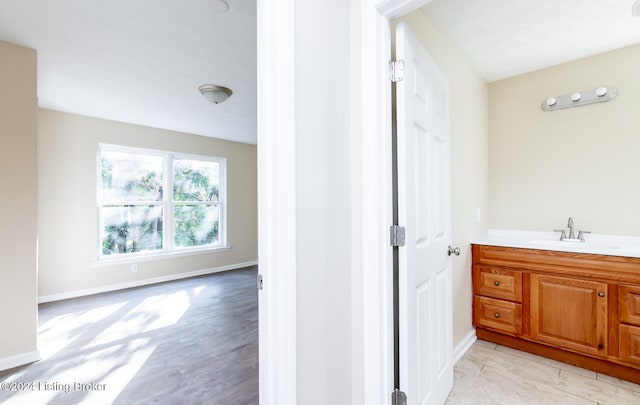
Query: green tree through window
[196, 196]
[133, 207]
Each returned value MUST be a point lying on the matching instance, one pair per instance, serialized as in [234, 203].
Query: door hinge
[397, 235]
[260, 282]
[398, 398]
[396, 70]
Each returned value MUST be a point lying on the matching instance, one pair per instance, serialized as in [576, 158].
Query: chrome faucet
[572, 236]
[570, 226]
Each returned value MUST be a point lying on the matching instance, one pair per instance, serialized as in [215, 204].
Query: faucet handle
[563, 235]
[581, 235]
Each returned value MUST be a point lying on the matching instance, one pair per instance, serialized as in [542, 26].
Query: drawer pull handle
[601, 294]
[497, 315]
[496, 283]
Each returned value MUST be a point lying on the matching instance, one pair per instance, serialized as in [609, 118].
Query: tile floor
[490, 374]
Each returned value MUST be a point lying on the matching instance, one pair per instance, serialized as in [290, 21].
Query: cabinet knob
[497, 315]
[496, 283]
[601, 294]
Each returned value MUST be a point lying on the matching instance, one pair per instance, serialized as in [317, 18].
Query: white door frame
[276, 200]
[371, 263]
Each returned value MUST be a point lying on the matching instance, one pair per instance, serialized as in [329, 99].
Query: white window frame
[167, 203]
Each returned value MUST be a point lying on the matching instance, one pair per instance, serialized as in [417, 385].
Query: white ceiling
[504, 38]
[141, 61]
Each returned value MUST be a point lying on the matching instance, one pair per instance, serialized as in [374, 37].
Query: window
[137, 215]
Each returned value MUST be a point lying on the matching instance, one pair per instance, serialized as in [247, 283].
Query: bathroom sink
[575, 245]
[603, 244]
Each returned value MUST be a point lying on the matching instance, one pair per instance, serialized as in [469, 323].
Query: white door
[422, 105]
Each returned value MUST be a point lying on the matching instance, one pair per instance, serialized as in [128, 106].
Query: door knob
[453, 251]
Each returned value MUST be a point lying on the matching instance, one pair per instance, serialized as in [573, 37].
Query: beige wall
[469, 166]
[18, 238]
[67, 226]
[581, 162]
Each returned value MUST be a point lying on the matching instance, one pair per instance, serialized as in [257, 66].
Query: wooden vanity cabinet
[579, 308]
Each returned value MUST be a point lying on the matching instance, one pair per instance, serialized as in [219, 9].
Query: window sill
[145, 257]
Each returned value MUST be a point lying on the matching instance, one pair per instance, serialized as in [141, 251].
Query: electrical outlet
[134, 268]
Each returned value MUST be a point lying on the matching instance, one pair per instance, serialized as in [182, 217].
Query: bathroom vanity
[574, 306]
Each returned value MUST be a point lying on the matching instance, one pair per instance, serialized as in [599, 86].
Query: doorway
[372, 318]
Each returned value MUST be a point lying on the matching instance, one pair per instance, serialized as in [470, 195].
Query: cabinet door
[629, 299]
[569, 313]
[630, 344]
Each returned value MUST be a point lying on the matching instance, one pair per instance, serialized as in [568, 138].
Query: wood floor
[490, 374]
[192, 341]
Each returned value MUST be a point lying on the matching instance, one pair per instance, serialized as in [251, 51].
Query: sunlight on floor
[151, 314]
[62, 330]
[118, 369]
[109, 368]
[112, 358]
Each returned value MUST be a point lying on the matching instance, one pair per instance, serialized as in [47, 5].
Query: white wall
[67, 225]
[580, 162]
[18, 213]
[469, 165]
[323, 204]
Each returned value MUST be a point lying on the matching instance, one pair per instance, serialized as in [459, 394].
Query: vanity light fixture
[597, 95]
[214, 93]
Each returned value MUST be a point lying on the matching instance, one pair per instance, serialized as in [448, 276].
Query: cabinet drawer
[498, 283]
[497, 314]
[629, 303]
[630, 344]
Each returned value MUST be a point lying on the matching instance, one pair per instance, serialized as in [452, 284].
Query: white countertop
[612, 245]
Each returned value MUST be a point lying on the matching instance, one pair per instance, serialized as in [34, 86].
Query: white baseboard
[464, 345]
[19, 360]
[139, 283]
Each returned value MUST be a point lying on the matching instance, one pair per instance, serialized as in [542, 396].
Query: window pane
[196, 225]
[195, 180]
[131, 177]
[131, 228]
